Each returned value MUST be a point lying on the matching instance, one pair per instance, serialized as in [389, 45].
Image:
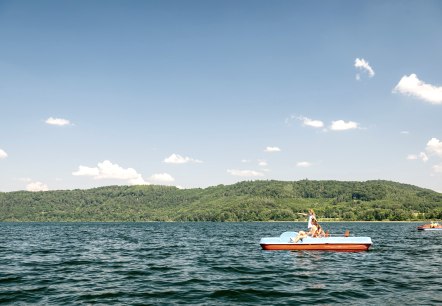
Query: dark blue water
[213, 264]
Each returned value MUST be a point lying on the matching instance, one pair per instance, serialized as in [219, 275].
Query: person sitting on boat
[319, 231]
[315, 231]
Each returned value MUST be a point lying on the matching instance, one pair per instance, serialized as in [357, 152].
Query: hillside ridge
[263, 200]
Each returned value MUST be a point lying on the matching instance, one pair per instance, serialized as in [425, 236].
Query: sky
[201, 93]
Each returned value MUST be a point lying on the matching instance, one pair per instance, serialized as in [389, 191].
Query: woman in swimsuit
[315, 231]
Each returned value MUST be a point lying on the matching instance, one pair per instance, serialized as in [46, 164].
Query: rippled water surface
[213, 264]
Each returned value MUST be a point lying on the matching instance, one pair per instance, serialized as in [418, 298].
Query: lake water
[213, 264]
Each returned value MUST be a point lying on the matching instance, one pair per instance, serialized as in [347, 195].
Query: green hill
[244, 201]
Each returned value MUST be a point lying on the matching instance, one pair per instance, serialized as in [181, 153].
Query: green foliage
[244, 201]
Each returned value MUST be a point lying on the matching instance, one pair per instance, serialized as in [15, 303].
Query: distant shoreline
[247, 201]
[270, 221]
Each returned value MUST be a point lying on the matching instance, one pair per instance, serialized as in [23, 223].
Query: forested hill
[244, 201]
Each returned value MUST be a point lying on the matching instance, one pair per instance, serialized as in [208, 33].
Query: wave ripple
[212, 264]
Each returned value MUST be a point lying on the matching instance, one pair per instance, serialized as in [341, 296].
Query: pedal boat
[331, 243]
[430, 227]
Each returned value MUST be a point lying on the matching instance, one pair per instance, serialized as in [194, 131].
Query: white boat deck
[285, 237]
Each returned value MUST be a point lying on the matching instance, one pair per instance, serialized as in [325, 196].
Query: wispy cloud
[25, 179]
[437, 168]
[108, 170]
[433, 149]
[363, 65]
[37, 186]
[272, 149]
[3, 154]
[303, 164]
[341, 125]
[311, 123]
[412, 86]
[411, 157]
[57, 121]
[262, 163]
[178, 159]
[422, 156]
[245, 173]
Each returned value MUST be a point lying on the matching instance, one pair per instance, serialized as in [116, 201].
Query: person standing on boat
[311, 216]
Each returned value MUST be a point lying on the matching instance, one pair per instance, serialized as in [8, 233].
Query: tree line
[245, 201]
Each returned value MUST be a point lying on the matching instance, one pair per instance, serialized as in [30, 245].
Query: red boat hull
[316, 247]
[427, 227]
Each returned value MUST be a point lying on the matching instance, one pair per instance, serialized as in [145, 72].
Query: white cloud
[362, 64]
[303, 164]
[312, 123]
[25, 179]
[405, 132]
[245, 173]
[412, 157]
[57, 121]
[272, 149]
[437, 168]
[3, 154]
[86, 171]
[434, 146]
[422, 156]
[138, 181]
[341, 125]
[107, 170]
[37, 186]
[162, 178]
[178, 159]
[262, 163]
[412, 86]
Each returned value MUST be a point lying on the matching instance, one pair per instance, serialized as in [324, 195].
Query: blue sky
[201, 93]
